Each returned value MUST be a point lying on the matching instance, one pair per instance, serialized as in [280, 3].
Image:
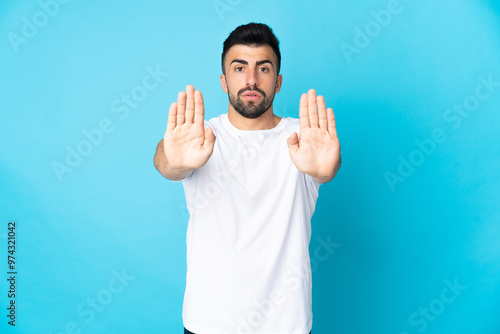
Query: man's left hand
[317, 152]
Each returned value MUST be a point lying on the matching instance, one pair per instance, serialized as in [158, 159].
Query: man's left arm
[317, 152]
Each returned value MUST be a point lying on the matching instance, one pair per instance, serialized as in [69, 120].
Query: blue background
[397, 246]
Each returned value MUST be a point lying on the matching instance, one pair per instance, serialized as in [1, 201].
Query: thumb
[293, 141]
[209, 138]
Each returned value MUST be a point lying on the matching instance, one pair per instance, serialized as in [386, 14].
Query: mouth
[252, 95]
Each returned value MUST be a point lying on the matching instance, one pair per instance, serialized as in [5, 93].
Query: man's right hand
[186, 143]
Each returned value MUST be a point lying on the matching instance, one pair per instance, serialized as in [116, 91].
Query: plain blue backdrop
[415, 87]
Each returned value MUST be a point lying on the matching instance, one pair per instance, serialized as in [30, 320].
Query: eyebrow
[260, 62]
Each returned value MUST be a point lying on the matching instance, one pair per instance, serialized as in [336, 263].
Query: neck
[266, 121]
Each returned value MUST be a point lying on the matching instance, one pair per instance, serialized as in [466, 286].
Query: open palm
[317, 152]
[187, 144]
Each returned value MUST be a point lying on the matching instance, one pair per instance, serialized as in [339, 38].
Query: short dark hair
[252, 34]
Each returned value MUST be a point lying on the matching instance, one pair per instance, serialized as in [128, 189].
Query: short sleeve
[312, 185]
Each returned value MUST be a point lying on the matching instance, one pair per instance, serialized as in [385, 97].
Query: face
[251, 79]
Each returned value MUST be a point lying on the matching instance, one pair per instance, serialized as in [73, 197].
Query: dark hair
[252, 34]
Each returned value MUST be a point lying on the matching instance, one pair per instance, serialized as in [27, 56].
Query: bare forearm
[161, 164]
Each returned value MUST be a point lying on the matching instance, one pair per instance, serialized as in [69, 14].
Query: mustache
[250, 89]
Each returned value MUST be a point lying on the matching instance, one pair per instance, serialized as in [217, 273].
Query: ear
[279, 81]
[223, 83]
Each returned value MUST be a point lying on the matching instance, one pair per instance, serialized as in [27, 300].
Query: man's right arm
[161, 164]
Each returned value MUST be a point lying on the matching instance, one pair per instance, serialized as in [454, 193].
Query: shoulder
[291, 122]
[216, 123]
[291, 125]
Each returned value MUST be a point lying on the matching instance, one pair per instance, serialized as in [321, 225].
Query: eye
[264, 69]
[238, 68]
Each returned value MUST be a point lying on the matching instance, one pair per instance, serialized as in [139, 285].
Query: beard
[251, 110]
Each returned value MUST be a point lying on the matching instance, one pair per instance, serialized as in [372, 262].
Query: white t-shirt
[248, 266]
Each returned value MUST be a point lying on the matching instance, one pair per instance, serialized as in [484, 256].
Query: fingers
[332, 128]
[303, 114]
[190, 104]
[323, 121]
[313, 112]
[312, 108]
[181, 107]
[172, 116]
[199, 108]
[190, 107]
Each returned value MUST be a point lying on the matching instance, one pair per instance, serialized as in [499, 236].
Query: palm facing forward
[317, 152]
[187, 144]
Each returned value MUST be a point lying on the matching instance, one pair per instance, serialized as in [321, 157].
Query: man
[251, 185]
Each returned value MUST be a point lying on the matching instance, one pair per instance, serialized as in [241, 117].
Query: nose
[251, 79]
